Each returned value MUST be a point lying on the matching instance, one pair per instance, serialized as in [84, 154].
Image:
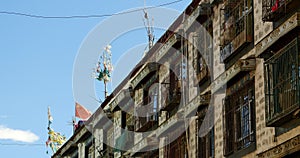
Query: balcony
[146, 114]
[172, 100]
[282, 90]
[146, 123]
[274, 10]
[146, 144]
[236, 28]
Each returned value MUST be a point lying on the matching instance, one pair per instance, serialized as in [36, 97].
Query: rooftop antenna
[149, 26]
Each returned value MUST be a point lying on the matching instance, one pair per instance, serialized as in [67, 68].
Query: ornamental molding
[241, 65]
[124, 93]
[282, 30]
[149, 67]
[71, 142]
[166, 47]
[287, 147]
[191, 18]
[200, 100]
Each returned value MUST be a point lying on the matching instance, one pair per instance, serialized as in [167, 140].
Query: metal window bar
[273, 9]
[152, 107]
[246, 131]
[236, 27]
[282, 72]
[240, 107]
[235, 19]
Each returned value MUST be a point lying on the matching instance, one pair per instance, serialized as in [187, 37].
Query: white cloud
[17, 135]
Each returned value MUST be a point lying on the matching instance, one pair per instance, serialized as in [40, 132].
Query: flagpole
[105, 90]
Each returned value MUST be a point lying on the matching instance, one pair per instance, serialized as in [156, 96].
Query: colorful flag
[81, 112]
[55, 139]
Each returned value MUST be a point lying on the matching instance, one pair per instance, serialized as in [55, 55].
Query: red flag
[81, 112]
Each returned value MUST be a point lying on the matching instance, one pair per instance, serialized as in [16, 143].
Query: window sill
[243, 152]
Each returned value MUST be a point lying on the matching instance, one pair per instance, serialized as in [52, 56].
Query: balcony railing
[237, 26]
[273, 10]
[145, 123]
[147, 116]
[282, 85]
[170, 98]
[202, 74]
[146, 144]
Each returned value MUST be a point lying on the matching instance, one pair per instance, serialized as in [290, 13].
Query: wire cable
[84, 16]
[21, 144]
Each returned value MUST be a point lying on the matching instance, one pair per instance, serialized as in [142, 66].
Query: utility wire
[19, 144]
[84, 16]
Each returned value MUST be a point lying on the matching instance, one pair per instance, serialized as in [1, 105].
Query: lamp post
[104, 67]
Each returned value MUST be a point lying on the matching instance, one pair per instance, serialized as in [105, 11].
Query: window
[282, 84]
[276, 10]
[236, 26]
[202, 50]
[153, 95]
[272, 9]
[206, 146]
[239, 116]
[177, 148]
[147, 116]
[171, 88]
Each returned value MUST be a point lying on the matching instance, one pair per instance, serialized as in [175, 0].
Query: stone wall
[218, 68]
[264, 135]
[219, 138]
[261, 29]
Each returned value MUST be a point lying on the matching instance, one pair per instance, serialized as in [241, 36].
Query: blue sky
[36, 66]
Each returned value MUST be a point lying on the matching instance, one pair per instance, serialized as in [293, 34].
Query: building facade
[221, 82]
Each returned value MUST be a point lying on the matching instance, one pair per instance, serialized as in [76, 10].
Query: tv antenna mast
[149, 26]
